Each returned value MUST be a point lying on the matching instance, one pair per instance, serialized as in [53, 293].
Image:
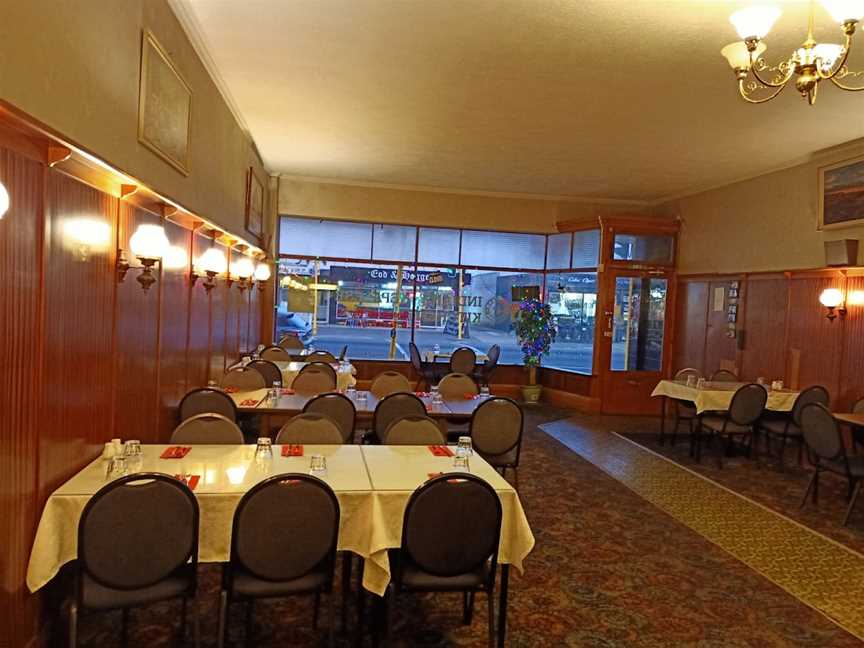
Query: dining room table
[855, 422]
[345, 372]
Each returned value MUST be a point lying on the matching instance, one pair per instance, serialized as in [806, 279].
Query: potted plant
[535, 331]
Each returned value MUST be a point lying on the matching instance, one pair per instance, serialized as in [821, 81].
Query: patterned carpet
[609, 569]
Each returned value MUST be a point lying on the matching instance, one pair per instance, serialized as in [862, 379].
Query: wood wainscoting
[782, 330]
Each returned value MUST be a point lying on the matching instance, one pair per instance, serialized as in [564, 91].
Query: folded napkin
[470, 396]
[421, 394]
[230, 390]
[292, 450]
[434, 475]
[440, 451]
[249, 402]
[287, 392]
[191, 481]
[175, 452]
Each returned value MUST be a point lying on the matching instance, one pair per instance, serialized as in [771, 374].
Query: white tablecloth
[344, 376]
[716, 396]
[371, 512]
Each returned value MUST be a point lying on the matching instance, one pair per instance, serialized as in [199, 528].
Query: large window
[572, 297]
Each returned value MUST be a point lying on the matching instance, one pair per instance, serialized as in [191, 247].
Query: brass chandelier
[811, 63]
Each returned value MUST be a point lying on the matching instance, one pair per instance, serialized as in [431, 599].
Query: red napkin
[440, 451]
[192, 482]
[230, 390]
[421, 394]
[434, 475]
[287, 392]
[292, 450]
[470, 396]
[249, 402]
[175, 452]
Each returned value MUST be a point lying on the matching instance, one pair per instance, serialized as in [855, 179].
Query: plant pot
[531, 393]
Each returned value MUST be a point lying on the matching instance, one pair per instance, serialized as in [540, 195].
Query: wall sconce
[243, 270]
[175, 258]
[212, 263]
[262, 274]
[832, 299]
[855, 298]
[150, 245]
[4, 200]
[85, 235]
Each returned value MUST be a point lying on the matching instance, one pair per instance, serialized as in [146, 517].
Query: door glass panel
[637, 324]
[650, 248]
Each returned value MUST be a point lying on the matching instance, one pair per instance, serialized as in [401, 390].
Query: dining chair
[283, 543]
[310, 428]
[724, 375]
[827, 452]
[463, 360]
[271, 372]
[207, 400]
[424, 373]
[291, 342]
[858, 407]
[339, 408]
[450, 535]
[457, 385]
[321, 356]
[484, 371]
[326, 367]
[207, 429]
[392, 408]
[314, 380]
[741, 420]
[414, 430]
[243, 379]
[788, 425]
[496, 433]
[137, 545]
[682, 410]
[275, 353]
[389, 382]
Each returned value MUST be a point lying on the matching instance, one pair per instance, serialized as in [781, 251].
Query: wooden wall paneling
[763, 322]
[136, 322]
[257, 302]
[720, 350]
[198, 336]
[851, 386]
[219, 301]
[21, 232]
[690, 323]
[233, 302]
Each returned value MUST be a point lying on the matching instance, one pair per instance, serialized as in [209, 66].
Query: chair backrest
[285, 527]
[321, 356]
[206, 400]
[339, 408]
[416, 360]
[268, 370]
[457, 385]
[414, 430]
[291, 342]
[747, 404]
[343, 352]
[821, 432]
[209, 429]
[314, 429]
[389, 382]
[315, 379]
[858, 407]
[724, 375]
[138, 530]
[496, 427]
[815, 394]
[326, 367]
[463, 360]
[683, 374]
[492, 356]
[452, 525]
[274, 353]
[392, 408]
[243, 378]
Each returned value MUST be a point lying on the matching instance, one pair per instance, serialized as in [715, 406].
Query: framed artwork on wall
[164, 105]
[841, 194]
[254, 204]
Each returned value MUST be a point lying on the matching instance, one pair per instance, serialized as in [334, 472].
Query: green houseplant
[535, 331]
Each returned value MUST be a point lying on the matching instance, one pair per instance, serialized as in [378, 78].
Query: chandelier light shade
[4, 200]
[808, 65]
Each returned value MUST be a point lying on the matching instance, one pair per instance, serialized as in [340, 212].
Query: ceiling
[585, 98]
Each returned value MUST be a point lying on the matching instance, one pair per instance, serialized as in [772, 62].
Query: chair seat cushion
[415, 578]
[779, 426]
[505, 459]
[99, 597]
[250, 586]
[685, 409]
[715, 424]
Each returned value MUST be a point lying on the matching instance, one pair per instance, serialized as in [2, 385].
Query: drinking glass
[277, 385]
[691, 381]
[133, 448]
[464, 447]
[484, 391]
[318, 464]
[117, 467]
[777, 385]
[700, 384]
[362, 396]
[760, 380]
[461, 463]
[436, 349]
[351, 392]
[264, 449]
[436, 395]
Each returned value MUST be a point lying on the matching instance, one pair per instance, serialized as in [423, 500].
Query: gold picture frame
[841, 194]
[254, 204]
[164, 105]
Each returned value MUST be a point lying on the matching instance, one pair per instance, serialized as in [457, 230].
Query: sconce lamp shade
[149, 242]
[262, 272]
[175, 258]
[243, 268]
[4, 200]
[213, 260]
[87, 231]
[831, 298]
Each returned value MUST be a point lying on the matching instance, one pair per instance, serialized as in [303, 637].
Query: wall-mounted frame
[254, 204]
[841, 194]
[164, 105]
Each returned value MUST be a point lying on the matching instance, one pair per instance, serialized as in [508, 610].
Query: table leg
[502, 605]
[663, 403]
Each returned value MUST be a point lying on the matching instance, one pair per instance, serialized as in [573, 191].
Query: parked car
[291, 323]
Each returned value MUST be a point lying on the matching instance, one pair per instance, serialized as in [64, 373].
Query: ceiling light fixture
[811, 63]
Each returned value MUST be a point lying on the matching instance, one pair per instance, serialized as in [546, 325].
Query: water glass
[351, 392]
[318, 464]
[760, 381]
[117, 467]
[691, 380]
[133, 449]
[436, 349]
[436, 395]
[464, 447]
[461, 463]
[777, 385]
[245, 360]
[108, 451]
[484, 391]
[362, 396]
[264, 449]
[700, 384]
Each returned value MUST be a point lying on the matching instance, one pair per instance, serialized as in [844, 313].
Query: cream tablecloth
[716, 396]
[371, 513]
[344, 376]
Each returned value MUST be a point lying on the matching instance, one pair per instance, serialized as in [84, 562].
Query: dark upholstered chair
[137, 545]
[391, 409]
[326, 367]
[389, 382]
[315, 429]
[484, 372]
[496, 432]
[724, 375]
[207, 429]
[321, 356]
[275, 353]
[788, 426]
[858, 407]
[291, 342]
[315, 378]
[269, 371]
[457, 385]
[424, 371]
[740, 421]
[337, 407]
[244, 379]
[463, 360]
[414, 430]
[450, 536]
[283, 543]
[827, 452]
[682, 410]
[207, 400]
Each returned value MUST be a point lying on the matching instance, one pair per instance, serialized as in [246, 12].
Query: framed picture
[254, 204]
[841, 194]
[164, 106]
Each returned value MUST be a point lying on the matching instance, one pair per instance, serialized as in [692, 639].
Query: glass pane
[438, 246]
[637, 324]
[503, 249]
[572, 297]
[652, 248]
[394, 242]
[586, 249]
[314, 237]
[558, 250]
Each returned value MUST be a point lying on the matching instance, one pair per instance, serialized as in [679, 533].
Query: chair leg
[223, 619]
[346, 587]
[182, 619]
[807, 491]
[331, 618]
[467, 607]
[315, 610]
[124, 628]
[250, 625]
[73, 624]
[490, 604]
[196, 621]
[856, 489]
